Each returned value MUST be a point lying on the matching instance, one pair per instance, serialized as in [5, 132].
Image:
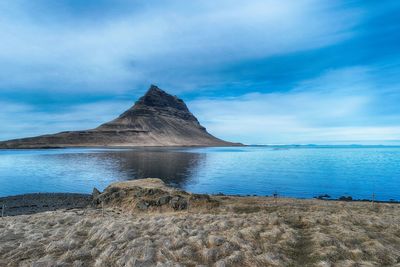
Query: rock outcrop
[156, 119]
[149, 194]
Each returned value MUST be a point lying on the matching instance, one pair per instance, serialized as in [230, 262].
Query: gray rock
[199, 197]
[95, 193]
[163, 200]
[143, 205]
[178, 203]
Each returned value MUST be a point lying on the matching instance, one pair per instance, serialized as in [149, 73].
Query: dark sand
[40, 202]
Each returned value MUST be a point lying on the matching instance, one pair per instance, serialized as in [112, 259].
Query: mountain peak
[158, 98]
[154, 88]
[156, 119]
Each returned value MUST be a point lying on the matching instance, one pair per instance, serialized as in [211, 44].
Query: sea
[362, 172]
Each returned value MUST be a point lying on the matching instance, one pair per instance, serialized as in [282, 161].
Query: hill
[156, 119]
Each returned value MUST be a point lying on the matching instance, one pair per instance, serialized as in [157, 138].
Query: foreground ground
[147, 224]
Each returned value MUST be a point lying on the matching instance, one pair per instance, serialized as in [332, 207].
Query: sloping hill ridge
[156, 119]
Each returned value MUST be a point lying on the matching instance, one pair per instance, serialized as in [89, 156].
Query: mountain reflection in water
[173, 167]
[79, 170]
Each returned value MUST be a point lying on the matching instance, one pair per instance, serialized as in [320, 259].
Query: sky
[256, 71]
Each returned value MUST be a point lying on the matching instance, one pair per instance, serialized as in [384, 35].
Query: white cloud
[24, 120]
[335, 107]
[166, 42]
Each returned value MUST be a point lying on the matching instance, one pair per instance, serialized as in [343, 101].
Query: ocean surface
[292, 171]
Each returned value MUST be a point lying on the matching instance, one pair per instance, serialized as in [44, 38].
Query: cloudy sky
[256, 71]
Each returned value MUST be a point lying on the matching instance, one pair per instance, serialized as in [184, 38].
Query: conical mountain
[156, 119]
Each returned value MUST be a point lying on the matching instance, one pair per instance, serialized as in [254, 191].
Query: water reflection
[173, 167]
[79, 170]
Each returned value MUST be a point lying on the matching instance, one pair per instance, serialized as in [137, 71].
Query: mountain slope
[156, 119]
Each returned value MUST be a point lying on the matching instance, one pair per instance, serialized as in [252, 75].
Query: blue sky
[258, 71]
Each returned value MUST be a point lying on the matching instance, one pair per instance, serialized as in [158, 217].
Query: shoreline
[45, 147]
[41, 202]
[31, 203]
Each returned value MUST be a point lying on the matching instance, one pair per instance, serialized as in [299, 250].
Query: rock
[323, 197]
[345, 198]
[163, 200]
[143, 205]
[145, 124]
[199, 197]
[95, 193]
[178, 203]
[150, 193]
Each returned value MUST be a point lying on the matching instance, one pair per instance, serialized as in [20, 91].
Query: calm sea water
[302, 172]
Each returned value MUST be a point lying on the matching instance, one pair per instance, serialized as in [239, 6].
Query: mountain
[156, 119]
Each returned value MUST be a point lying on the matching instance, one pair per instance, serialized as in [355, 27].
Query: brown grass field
[128, 225]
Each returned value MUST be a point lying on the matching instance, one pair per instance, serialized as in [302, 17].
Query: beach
[146, 223]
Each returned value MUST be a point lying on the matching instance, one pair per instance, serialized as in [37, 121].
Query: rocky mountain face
[156, 119]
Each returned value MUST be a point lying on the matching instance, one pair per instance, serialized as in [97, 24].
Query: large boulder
[148, 194]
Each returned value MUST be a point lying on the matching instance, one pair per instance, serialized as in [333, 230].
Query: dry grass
[252, 231]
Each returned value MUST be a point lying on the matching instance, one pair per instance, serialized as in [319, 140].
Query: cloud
[23, 120]
[338, 106]
[57, 46]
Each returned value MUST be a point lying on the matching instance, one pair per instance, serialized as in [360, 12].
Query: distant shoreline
[202, 146]
[41, 202]
[114, 147]
[32, 203]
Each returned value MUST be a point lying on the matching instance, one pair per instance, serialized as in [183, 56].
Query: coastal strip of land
[40, 202]
[146, 223]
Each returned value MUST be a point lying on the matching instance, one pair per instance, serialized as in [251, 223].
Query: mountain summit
[156, 119]
[153, 104]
